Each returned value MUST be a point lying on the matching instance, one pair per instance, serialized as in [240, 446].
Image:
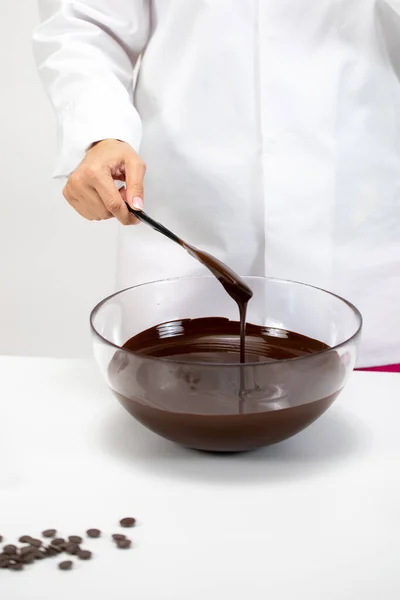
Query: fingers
[122, 192]
[134, 176]
[112, 199]
[72, 201]
[87, 203]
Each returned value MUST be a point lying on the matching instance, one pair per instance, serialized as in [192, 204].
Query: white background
[54, 266]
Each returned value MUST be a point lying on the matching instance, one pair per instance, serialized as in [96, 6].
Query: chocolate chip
[124, 544]
[53, 549]
[28, 559]
[84, 554]
[36, 543]
[25, 539]
[16, 566]
[59, 542]
[4, 563]
[117, 537]
[10, 549]
[75, 539]
[127, 522]
[1, 539]
[93, 533]
[14, 557]
[40, 554]
[49, 533]
[66, 565]
[25, 550]
[72, 549]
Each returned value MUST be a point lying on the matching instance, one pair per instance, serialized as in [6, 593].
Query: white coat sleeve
[86, 51]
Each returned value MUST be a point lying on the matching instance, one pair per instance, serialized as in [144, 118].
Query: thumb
[134, 175]
[122, 191]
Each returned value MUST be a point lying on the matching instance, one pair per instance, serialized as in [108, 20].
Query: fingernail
[137, 203]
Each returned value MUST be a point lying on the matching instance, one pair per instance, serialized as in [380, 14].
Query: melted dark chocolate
[201, 396]
[216, 340]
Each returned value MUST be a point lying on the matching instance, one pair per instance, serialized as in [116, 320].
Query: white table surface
[316, 517]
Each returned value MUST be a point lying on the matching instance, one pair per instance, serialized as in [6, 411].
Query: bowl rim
[349, 304]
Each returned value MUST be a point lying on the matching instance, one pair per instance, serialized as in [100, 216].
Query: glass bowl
[226, 407]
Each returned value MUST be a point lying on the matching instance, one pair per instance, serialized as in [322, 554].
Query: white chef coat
[270, 130]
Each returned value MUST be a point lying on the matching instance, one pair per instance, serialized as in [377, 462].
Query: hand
[91, 190]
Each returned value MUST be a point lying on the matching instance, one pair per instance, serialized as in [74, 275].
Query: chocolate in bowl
[175, 366]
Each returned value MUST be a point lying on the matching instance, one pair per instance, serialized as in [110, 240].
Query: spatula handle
[142, 216]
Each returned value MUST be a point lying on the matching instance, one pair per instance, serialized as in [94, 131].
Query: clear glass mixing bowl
[204, 406]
